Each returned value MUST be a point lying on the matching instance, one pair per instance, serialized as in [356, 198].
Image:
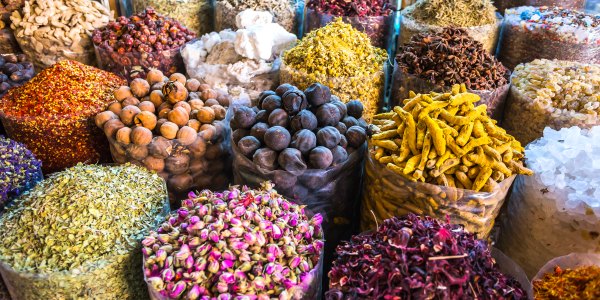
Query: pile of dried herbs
[579, 283]
[19, 170]
[352, 8]
[418, 258]
[461, 13]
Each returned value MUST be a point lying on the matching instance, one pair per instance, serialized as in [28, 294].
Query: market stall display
[130, 47]
[287, 13]
[419, 257]
[478, 18]
[373, 17]
[573, 276]
[342, 58]
[8, 43]
[555, 212]
[247, 60]
[14, 71]
[557, 94]
[52, 114]
[502, 5]
[437, 61]
[19, 170]
[84, 226]
[174, 126]
[233, 244]
[197, 15]
[530, 33]
[441, 156]
[50, 31]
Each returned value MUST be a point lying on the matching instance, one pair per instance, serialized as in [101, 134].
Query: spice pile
[130, 47]
[502, 5]
[557, 211]
[50, 114]
[578, 283]
[549, 32]
[173, 126]
[19, 170]
[552, 93]
[246, 59]
[14, 71]
[197, 15]
[342, 58]
[83, 227]
[283, 11]
[49, 31]
[368, 8]
[422, 258]
[235, 243]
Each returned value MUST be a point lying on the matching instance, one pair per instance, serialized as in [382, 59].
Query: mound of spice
[578, 283]
[283, 11]
[19, 170]
[197, 15]
[130, 47]
[50, 114]
[459, 13]
[418, 257]
[342, 58]
[83, 227]
[235, 244]
[353, 8]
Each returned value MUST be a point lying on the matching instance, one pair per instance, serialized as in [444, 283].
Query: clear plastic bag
[380, 29]
[44, 57]
[387, 194]
[521, 110]
[133, 65]
[8, 43]
[368, 89]
[571, 261]
[404, 83]
[485, 34]
[537, 230]
[501, 5]
[522, 43]
[510, 267]
[197, 15]
[287, 13]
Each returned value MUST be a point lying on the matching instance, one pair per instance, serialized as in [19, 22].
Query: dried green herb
[460, 13]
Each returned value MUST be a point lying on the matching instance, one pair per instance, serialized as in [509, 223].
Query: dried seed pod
[128, 113]
[248, 145]
[293, 101]
[179, 78]
[245, 117]
[208, 131]
[184, 105]
[115, 107]
[278, 117]
[277, 138]
[271, 103]
[154, 76]
[280, 90]
[304, 120]
[195, 124]
[258, 130]
[206, 115]
[328, 115]
[122, 93]
[177, 164]
[209, 94]
[141, 136]
[154, 163]
[317, 94]
[147, 106]
[139, 87]
[130, 101]
[174, 92]
[169, 130]
[356, 136]
[103, 117]
[196, 104]
[111, 126]
[328, 137]
[238, 134]
[304, 140]
[211, 102]
[339, 155]
[198, 147]
[186, 135]
[160, 147]
[156, 97]
[265, 158]
[320, 157]
[123, 136]
[290, 159]
[192, 85]
[137, 152]
[220, 111]
[145, 119]
[178, 116]
[355, 109]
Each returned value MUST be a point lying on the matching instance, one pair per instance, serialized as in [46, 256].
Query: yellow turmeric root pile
[445, 139]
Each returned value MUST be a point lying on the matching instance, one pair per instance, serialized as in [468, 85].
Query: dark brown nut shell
[262, 116]
[293, 101]
[277, 138]
[180, 183]
[328, 115]
[178, 116]
[304, 120]
[245, 117]
[139, 87]
[128, 113]
[265, 158]
[271, 103]
[146, 119]
[154, 163]
[115, 107]
[123, 136]
[214, 151]
[141, 136]
[339, 155]
[279, 117]
[224, 100]
[320, 157]
[137, 152]
[280, 90]
[304, 140]
[160, 147]
[248, 145]
[258, 131]
[355, 108]
[262, 96]
[192, 84]
[238, 134]
[341, 106]
[111, 127]
[198, 148]
[356, 136]
[211, 102]
[318, 94]
[290, 159]
[122, 93]
[328, 137]
[186, 135]
[103, 117]
[198, 166]
[177, 164]
[147, 106]
[341, 127]
[343, 141]
[350, 121]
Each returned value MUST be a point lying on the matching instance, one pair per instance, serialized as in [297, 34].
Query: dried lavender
[418, 258]
[19, 170]
[352, 8]
[236, 243]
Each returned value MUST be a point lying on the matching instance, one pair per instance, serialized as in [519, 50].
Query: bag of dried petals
[287, 13]
[439, 155]
[373, 17]
[573, 276]
[478, 18]
[502, 5]
[197, 15]
[437, 61]
[530, 33]
[552, 93]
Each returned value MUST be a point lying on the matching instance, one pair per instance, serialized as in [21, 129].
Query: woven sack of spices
[477, 18]
[197, 15]
[573, 276]
[502, 5]
[530, 33]
[287, 13]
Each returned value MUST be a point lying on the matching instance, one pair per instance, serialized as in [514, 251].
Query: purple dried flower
[19, 170]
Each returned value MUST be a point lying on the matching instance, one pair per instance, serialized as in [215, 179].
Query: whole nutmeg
[258, 131]
[209, 94]
[265, 158]
[277, 138]
[195, 124]
[206, 115]
[141, 136]
[341, 106]
[103, 117]
[147, 106]
[169, 130]
[245, 117]
[328, 137]
[290, 159]
[128, 113]
[320, 157]
[304, 120]
[178, 116]
[180, 183]
[278, 117]
[271, 103]
[248, 145]
[111, 126]
[154, 163]
[160, 147]
[304, 140]
[339, 155]
[177, 163]
[356, 136]
[186, 135]
[123, 135]
[156, 97]
[154, 76]
[196, 104]
[115, 107]
[145, 119]
[192, 84]
[220, 111]
[130, 101]
[281, 89]
[174, 92]
[179, 78]
[139, 87]
[122, 92]
[318, 94]
[137, 152]
[224, 100]
[355, 108]
[328, 115]
[238, 134]
[211, 102]
[293, 101]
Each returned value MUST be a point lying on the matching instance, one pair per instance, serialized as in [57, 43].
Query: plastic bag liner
[380, 29]
[404, 83]
[571, 261]
[501, 5]
[537, 230]
[509, 267]
[485, 34]
[525, 42]
[116, 277]
[8, 43]
[387, 194]
[520, 110]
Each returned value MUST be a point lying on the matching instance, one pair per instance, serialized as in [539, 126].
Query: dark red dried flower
[352, 8]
